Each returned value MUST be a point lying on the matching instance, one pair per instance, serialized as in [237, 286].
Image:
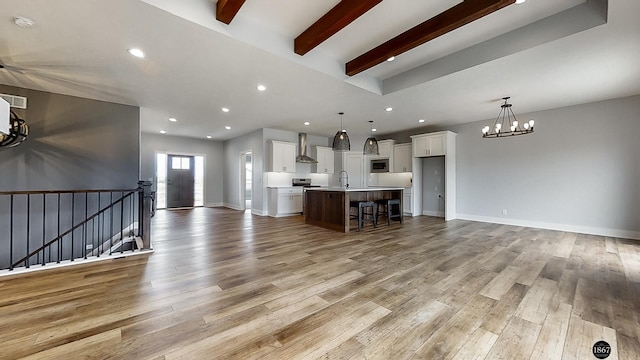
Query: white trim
[259, 212]
[617, 233]
[433, 213]
[68, 263]
[285, 215]
[233, 206]
[211, 205]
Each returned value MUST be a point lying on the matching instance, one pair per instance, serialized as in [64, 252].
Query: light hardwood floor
[225, 284]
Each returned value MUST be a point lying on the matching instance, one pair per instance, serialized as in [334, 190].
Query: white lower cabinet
[285, 201]
[407, 203]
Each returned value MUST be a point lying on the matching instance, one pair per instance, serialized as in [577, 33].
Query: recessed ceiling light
[388, 109]
[421, 120]
[261, 88]
[136, 52]
[228, 127]
[520, 1]
[163, 131]
[208, 136]
[173, 119]
[374, 130]
[391, 58]
[23, 22]
[224, 109]
[307, 123]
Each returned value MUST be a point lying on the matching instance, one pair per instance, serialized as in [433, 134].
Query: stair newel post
[144, 211]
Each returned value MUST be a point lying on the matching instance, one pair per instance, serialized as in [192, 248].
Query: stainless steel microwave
[380, 166]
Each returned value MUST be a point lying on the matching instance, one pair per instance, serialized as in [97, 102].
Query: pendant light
[341, 139]
[371, 144]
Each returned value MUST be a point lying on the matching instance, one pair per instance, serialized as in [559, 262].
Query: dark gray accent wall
[73, 143]
[177, 145]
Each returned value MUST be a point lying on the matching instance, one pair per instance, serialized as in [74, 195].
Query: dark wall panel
[74, 143]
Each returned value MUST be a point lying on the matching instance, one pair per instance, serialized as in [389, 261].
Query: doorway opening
[179, 181]
[246, 177]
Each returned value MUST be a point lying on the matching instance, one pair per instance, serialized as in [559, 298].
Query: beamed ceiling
[454, 60]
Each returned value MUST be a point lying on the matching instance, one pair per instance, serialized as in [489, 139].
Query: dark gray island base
[329, 207]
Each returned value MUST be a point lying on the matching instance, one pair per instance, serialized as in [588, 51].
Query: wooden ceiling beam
[448, 20]
[226, 10]
[341, 15]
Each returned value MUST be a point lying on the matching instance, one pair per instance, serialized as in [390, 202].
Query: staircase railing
[41, 227]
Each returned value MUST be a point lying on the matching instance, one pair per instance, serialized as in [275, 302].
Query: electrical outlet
[504, 211]
[89, 247]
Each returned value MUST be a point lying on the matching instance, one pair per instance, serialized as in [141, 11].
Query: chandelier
[18, 132]
[505, 125]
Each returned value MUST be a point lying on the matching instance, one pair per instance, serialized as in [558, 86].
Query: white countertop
[341, 189]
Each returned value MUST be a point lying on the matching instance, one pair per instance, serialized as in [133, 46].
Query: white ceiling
[195, 65]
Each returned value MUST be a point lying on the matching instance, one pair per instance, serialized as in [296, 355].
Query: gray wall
[232, 150]
[578, 171]
[73, 143]
[211, 150]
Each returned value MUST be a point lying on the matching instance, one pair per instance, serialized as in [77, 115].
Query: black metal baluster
[44, 211]
[85, 226]
[122, 222]
[28, 222]
[131, 233]
[11, 237]
[99, 214]
[73, 221]
[59, 240]
[110, 232]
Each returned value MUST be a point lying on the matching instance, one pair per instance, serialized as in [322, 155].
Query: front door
[180, 180]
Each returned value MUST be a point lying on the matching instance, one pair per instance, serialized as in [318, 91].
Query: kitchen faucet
[344, 184]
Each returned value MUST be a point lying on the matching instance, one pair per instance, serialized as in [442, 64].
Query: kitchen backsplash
[277, 179]
[390, 179]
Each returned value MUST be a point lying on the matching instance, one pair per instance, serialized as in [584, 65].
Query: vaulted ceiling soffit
[449, 20]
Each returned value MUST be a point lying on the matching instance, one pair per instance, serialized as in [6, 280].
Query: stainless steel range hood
[302, 146]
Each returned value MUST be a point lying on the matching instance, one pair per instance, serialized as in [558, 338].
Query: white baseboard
[259, 212]
[214, 205]
[233, 206]
[433, 213]
[623, 234]
[286, 215]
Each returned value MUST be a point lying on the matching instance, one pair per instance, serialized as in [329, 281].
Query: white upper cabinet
[385, 147]
[324, 156]
[402, 158]
[433, 144]
[283, 157]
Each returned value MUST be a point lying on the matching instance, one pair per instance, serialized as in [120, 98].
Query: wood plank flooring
[224, 284]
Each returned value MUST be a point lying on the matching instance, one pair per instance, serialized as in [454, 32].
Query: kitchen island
[329, 207]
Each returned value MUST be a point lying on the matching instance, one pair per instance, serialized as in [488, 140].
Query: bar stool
[388, 204]
[363, 215]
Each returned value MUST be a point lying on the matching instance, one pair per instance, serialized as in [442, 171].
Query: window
[180, 163]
